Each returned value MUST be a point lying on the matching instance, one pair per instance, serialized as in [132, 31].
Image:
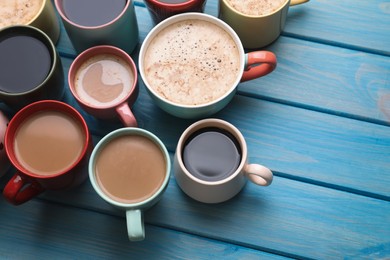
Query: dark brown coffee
[25, 63]
[211, 154]
[130, 168]
[49, 142]
[92, 12]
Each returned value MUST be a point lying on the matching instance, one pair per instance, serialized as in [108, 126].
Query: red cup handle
[258, 64]
[126, 116]
[19, 190]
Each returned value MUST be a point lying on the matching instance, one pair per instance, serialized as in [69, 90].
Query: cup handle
[258, 64]
[135, 225]
[258, 174]
[125, 115]
[298, 2]
[19, 190]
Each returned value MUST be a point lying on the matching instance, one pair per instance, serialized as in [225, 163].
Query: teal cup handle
[135, 225]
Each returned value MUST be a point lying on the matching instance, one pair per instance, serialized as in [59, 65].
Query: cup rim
[50, 47]
[172, 5]
[59, 7]
[212, 122]
[286, 2]
[89, 53]
[38, 106]
[38, 13]
[181, 17]
[121, 132]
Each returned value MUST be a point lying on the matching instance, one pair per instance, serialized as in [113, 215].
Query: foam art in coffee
[103, 80]
[48, 142]
[256, 7]
[130, 168]
[14, 12]
[192, 62]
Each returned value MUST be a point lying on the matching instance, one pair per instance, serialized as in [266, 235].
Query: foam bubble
[256, 7]
[13, 12]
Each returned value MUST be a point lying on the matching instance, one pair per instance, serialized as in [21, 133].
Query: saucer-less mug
[39, 13]
[256, 31]
[197, 60]
[211, 162]
[48, 143]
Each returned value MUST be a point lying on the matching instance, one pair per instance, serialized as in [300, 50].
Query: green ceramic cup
[121, 32]
[143, 178]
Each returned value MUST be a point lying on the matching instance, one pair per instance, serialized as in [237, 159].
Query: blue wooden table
[320, 121]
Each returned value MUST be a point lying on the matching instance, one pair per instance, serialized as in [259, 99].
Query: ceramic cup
[191, 64]
[211, 162]
[91, 23]
[4, 162]
[31, 69]
[104, 81]
[256, 30]
[38, 13]
[129, 169]
[161, 9]
[48, 143]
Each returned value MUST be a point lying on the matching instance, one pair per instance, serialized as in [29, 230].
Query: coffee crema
[130, 168]
[211, 154]
[49, 142]
[192, 62]
[104, 80]
[15, 12]
[256, 7]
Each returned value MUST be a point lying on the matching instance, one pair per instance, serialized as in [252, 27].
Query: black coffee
[211, 154]
[173, 1]
[92, 12]
[25, 62]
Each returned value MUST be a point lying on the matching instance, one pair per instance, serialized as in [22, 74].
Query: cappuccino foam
[192, 62]
[256, 7]
[103, 80]
[13, 12]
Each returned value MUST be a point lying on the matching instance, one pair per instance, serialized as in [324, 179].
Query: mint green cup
[134, 211]
[121, 32]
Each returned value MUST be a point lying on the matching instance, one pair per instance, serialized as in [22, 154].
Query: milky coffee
[130, 168]
[104, 80]
[14, 12]
[256, 7]
[49, 142]
[192, 62]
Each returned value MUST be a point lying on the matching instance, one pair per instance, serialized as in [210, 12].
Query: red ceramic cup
[119, 107]
[162, 9]
[28, 182]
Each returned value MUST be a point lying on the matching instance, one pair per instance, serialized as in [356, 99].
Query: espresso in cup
[104, 80]
[256, 7]
[25, 63]
[92, 12]
[192, 62]
[18, 11]
[211, 154]
[130, 169]
[48, 142]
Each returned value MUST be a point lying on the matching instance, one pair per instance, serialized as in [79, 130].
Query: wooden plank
[40, 230]
[354, 24]
[288, 218]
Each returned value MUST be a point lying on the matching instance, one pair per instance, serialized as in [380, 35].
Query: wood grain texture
[43, 230]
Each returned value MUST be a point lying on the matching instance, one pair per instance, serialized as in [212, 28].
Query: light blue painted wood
[40, 230]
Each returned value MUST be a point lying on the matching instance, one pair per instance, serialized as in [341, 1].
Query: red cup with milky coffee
[103, 80]
[49, 144]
